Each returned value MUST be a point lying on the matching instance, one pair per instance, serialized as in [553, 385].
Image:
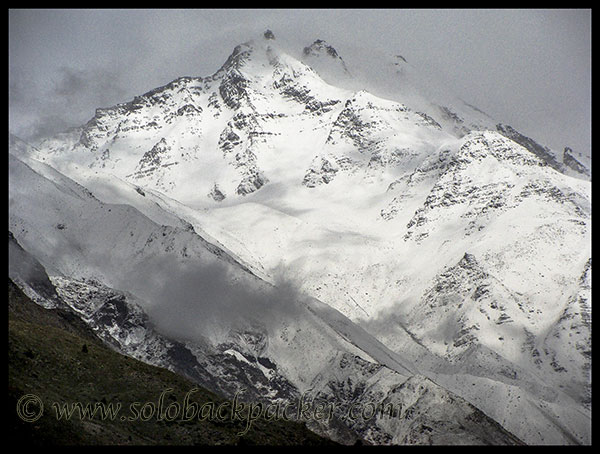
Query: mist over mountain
[289, 225]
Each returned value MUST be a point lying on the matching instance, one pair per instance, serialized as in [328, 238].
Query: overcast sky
[527, 68]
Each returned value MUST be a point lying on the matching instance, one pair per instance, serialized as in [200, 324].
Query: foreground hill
[50, 356]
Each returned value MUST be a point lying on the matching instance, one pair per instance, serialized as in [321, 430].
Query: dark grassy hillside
[53, 355]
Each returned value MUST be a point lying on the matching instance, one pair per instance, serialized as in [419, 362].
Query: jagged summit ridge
[318, 47]
[326, 61]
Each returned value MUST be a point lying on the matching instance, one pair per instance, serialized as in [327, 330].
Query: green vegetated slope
[55, 356]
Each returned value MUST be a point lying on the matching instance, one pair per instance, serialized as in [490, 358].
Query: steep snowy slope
[75, 235]
[238, 334]
[445, 235]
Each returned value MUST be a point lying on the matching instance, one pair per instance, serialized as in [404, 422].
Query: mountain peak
[326, 61]
[319, 47]
[268, 34]
[237, 58]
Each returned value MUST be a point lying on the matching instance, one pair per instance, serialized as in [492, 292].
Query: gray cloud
[69, 100]
[102, 85]
[189, 301]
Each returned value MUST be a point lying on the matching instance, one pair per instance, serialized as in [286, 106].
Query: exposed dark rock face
[350, 125]
[322, 172]
[152, 159]
[321, 46]
[540, 151]
[252, 181]
[237, 141]
[216, 194]
[233, 89]
[570, 161]
[292, 90]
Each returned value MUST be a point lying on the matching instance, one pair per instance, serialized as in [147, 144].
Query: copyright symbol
[30, 407]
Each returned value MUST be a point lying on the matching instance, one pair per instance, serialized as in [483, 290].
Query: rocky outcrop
[571, 162]
[216, 194]
[542, 152]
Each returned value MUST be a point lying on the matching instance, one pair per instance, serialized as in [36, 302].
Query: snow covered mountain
[278, 227]
[228, 330]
